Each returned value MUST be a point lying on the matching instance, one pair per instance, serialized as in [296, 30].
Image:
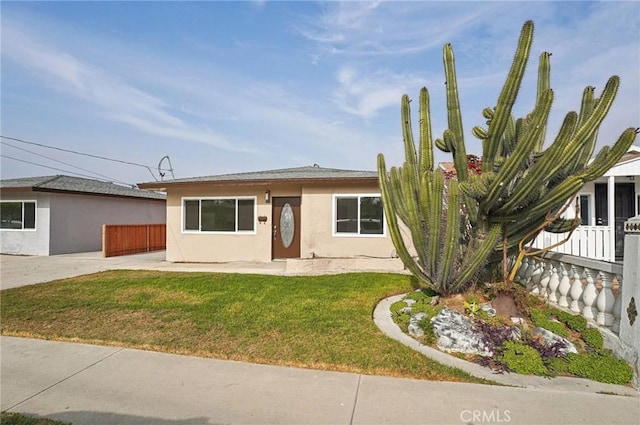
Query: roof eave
[258, 182]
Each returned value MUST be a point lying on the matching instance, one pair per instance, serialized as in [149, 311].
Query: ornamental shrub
[540, 318]
[520, 358]
[574, 321]
[601, 366]
[593, 338]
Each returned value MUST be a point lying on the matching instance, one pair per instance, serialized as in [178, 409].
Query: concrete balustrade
[607, 294]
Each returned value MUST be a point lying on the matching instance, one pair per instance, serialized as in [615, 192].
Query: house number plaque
[287, 225]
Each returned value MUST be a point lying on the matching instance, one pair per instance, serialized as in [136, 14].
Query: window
[18, 215]
[585, 209]
[358, 215]
[228, 215]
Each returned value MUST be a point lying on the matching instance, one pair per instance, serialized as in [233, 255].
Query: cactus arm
[591, 125]
[451, 233]
[407, 136]
[441, 145]
[479, 257]
[434, 218]
[558, 195]
[455, 140]
[513, 164]
[507, 97]
[414, 220]
[607, 158]
[426, 143]
[586, 109]
[547, 165]
[544, 69]
[394, 230]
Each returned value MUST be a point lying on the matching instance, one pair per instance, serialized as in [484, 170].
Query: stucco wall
[76, 220]
[316, 226]
[28, 242]
[212, 248]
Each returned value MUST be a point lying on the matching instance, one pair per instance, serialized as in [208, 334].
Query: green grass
[321, 322]
[9, 418]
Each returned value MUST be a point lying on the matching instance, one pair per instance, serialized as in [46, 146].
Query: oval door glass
[287, 225]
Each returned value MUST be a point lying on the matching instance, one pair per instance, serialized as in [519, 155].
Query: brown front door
[286, 228]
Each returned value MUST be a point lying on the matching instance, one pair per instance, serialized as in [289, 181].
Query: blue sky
[225, 87]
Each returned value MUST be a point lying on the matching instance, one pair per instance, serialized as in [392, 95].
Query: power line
[67, 164]
[80, 153]
[54, 168]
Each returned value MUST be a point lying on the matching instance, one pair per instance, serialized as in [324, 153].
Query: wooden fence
[126, 239]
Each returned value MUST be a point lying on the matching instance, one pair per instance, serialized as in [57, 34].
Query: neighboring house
[302, 212]
[601, 235]
[62, 214]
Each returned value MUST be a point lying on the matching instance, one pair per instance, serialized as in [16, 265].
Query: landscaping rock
[456, 333]
[414, 327]
[550, 338]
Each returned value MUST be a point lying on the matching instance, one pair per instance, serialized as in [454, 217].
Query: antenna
[170, 167]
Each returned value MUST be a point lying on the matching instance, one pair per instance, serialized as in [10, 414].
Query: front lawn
[320, 322]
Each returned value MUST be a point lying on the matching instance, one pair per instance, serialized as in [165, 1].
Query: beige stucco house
[306, 212]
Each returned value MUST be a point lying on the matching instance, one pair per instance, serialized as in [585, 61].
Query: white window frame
[592, 211]
[218, 232]
[334, 215]
[35, 217]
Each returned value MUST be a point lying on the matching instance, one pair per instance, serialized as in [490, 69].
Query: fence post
[104, 240]
[630, 296]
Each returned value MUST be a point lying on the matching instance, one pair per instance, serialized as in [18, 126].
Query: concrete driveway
[18, 271]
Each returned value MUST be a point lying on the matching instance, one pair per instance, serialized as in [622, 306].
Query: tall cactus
[459, 227]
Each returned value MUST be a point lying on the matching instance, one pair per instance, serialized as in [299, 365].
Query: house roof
[69, 184]
[299, 174]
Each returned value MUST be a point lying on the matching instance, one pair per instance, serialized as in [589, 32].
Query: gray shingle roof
[76, 184]
[312, 173]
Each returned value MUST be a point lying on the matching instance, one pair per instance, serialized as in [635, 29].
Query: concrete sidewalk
[86, 384]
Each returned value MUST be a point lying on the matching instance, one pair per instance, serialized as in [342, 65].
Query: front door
[624, 209]
[286, 228]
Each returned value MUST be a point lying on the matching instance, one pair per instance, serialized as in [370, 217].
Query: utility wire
[54, 168]
[80, 153]
[67, 164]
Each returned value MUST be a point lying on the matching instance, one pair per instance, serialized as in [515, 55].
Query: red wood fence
[125, 239]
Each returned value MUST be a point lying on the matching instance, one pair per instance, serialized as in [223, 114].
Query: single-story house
[62, 214]
[305, 212]
[601, 233]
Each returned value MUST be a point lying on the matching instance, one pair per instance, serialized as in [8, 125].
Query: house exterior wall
[316, 230]
[209, 247]
[28, 242]
[76, 220]
[317, 227]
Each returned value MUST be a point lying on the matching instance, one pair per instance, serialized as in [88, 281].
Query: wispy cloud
[115, 98]
[364, 94]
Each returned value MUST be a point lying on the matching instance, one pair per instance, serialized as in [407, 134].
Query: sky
[226, 87]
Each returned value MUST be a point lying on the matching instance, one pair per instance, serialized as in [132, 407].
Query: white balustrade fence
[586, 241]
[583, 286]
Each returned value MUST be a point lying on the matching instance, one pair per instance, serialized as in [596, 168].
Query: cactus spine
[459, 227]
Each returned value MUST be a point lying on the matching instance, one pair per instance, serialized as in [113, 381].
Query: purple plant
[546, 351]
[494, 337]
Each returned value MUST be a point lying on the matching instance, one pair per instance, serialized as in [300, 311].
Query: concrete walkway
[87, 384]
